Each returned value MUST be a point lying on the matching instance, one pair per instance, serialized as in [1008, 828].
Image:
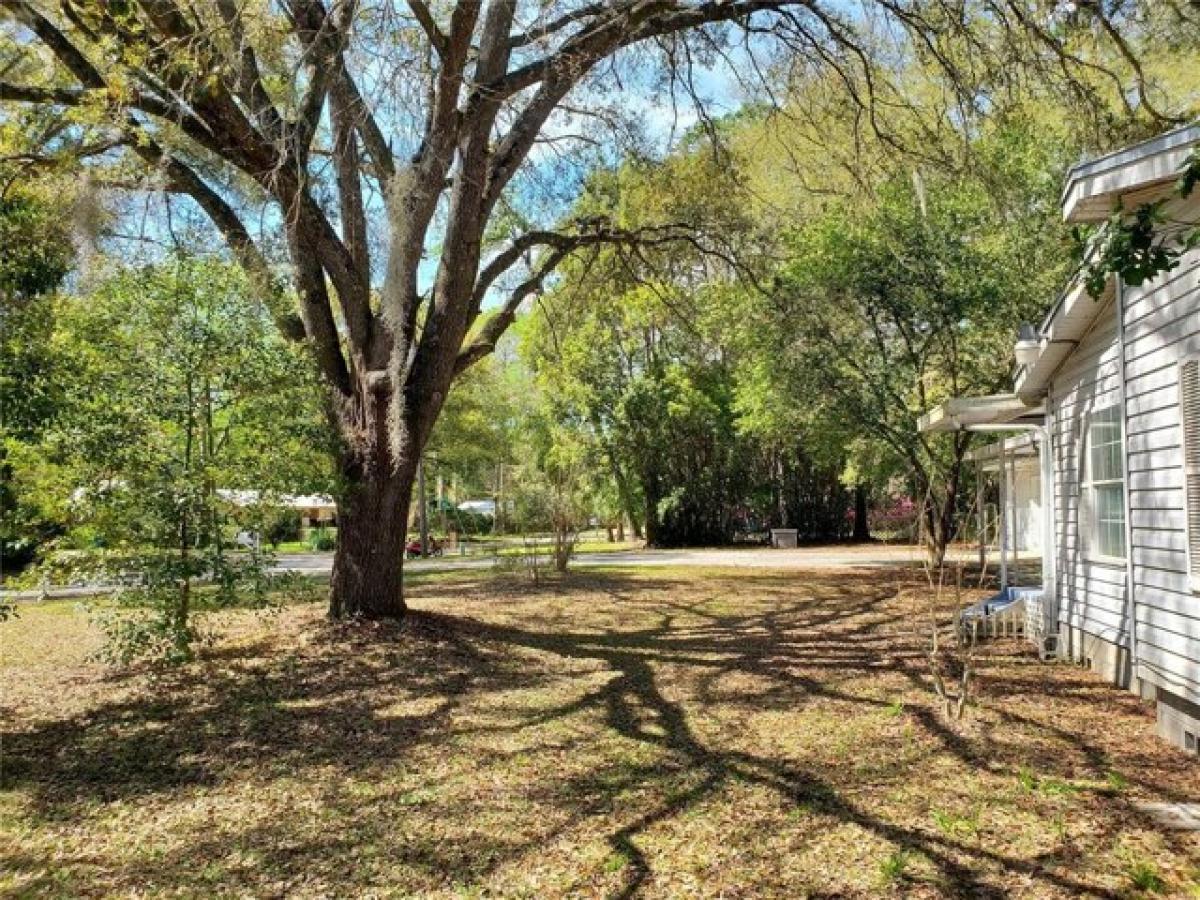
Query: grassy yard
[667, 733]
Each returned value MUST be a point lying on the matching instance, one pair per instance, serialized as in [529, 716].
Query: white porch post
[1003, 484]
[981, 513]
[1014, 538]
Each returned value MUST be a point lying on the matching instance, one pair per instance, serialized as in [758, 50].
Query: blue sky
[148, 224]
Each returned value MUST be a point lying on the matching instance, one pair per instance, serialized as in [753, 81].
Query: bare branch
[437, 39]
[494, 328]
[348, 95]
[560, 245]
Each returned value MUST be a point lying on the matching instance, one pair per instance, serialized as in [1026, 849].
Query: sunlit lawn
[677, 733]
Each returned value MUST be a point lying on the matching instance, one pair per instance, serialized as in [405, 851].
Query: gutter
[1071, 318]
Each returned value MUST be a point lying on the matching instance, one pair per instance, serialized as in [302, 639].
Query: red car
[413, 548]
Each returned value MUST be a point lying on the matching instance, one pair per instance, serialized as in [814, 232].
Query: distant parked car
[247, 539]
[413, 548]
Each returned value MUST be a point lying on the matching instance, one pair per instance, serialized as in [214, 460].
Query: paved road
[835, 557]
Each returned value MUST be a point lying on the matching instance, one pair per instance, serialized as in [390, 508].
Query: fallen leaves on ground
[671, 734]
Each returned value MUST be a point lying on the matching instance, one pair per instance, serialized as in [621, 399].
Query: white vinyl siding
[1091, 590]
[1162, 335]
[1106, 481]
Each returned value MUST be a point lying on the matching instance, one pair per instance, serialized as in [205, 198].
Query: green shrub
[322, 539]
[281, 525]
[893, 866]
[1145, 877]
[151, 616]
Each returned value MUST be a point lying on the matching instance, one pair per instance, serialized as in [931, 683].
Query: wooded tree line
[780, 293]
[811, 332]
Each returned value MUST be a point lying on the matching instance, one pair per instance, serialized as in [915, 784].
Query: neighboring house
[1108, 391]
[315, 510]
[1016, 472]
[479, 507]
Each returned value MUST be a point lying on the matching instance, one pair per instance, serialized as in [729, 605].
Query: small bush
[1145, 877]
[951, 824]
[1058, 787]
[893, 867]
[281, 525]
[1048, 786]
[615, 862]
[321, 539]
[151, 617]
[1027, 779]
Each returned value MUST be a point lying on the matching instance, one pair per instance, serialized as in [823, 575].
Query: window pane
[1110, 519]
[1105, 446]
[1117, 540]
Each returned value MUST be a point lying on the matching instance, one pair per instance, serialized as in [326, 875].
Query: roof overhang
[290, 501]
[1022, 446]
[997, 412]
[1130, 176]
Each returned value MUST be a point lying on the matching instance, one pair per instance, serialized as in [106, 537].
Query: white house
[315, 510]
[1108, 390]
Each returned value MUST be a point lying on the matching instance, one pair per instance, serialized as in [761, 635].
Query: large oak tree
[380, 140]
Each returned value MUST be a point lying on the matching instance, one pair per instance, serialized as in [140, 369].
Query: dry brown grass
[666, 733]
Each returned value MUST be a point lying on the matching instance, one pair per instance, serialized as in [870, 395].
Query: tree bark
[625, 497]
[650, 521]
[368, 565]
[635, 525]
[780, 489]
[862, 530]
[373, 511]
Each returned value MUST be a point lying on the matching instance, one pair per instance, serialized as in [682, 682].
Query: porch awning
[982, 414]
[1023, 446]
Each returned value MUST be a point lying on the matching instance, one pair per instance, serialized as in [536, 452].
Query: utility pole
[441, 498]
[422, 507]
[498, 514]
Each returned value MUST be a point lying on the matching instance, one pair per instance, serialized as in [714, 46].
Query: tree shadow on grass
[221, 718]
[636, 708]
[357, 700]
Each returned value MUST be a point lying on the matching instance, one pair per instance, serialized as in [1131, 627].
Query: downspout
[1130, 604]
[1049, 536]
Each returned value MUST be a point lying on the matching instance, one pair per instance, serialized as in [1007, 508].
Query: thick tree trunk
[780, 489]
[650, 522]
[626, 499]
[862, 530]
[368, 565]
[939, 521]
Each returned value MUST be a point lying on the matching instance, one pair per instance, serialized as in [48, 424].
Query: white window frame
[1092, 520]
[1189, 492]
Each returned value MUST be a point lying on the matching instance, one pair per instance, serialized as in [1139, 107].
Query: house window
[1189, 402]
[1106, 477]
